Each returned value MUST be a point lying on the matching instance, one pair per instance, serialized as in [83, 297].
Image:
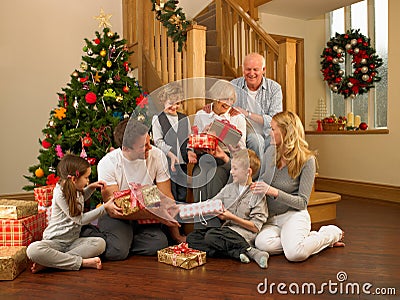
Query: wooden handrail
[238, 35]
[254, 26]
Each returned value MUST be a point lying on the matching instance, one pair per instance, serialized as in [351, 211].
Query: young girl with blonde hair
[287, 179]
[61, 247]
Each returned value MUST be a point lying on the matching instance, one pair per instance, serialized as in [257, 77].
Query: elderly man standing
[260, 101]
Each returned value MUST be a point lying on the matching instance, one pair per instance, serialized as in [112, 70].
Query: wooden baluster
[164, 67]
[171, 62]
[151, 25]
[178, 63]
[158, 48]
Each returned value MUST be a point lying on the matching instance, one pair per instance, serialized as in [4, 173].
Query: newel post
[195, 66]
[287, 72]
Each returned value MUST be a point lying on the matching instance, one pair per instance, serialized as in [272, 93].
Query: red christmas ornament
[363, 126]
[83, 79]
[125, 89]
[91, 98]
[126, 65]
[87, 141]
[97, 41]
[46, 144]
[91, 160]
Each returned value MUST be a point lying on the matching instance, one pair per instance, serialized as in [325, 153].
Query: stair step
[213, 68]
[209, 22]
[211, 37]
[212, 53]
[322, 206]
[210, 12]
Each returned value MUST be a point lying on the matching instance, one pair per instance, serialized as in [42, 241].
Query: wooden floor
[371, 255]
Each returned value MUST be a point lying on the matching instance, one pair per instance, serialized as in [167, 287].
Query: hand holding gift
[166, 211]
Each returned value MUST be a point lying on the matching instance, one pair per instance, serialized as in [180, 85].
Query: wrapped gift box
[201, 209]
[136, 198]
[225, 132]
[202, 141]
[23, 231]
[182, 256]
[17, 209]
[13, 261]
[150, 195]
[126, 201]
[44, 195]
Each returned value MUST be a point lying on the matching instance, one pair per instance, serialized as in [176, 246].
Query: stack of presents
[21, 223]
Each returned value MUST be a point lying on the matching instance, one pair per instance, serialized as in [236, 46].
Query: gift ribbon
[226, 128]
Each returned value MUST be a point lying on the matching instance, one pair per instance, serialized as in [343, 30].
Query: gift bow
[183, 248]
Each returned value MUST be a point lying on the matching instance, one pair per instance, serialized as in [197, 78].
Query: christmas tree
[320, 113]
[101, 93]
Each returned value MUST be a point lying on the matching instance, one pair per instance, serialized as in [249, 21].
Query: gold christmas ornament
[110, 34]
[109, 63]
[84, 66]
[103, 53]
[97, 77]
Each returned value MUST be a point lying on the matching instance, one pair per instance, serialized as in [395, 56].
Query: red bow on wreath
[356, 85]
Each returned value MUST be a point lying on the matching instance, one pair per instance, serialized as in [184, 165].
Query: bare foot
[37, 268]
[340, 242]
[94, 263]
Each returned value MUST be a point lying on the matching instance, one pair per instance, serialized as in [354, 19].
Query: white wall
[41, 45]
[367, 158]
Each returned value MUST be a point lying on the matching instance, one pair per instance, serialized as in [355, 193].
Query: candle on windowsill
[350, 119]
[357, 121]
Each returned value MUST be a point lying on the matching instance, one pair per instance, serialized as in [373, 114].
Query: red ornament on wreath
[87, 141]
[90, 98]
[364, 62]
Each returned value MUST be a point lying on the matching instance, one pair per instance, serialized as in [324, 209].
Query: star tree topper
[103, 19]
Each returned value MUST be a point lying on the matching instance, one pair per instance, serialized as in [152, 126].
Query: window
[371, 17]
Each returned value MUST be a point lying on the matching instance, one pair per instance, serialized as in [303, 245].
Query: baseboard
[359, 189]
[20, 196]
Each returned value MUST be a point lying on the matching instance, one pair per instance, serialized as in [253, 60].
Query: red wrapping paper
[23, 231]
[44, 195]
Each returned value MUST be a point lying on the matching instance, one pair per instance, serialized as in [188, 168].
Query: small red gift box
[44, 194]
[225, 132]
[23, 231]
[202, 141]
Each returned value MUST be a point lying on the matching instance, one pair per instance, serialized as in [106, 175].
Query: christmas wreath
[365, 63]
[173, 19]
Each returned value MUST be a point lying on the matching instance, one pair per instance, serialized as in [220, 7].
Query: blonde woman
[287, 178]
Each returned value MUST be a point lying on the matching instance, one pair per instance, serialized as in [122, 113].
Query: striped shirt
[268, 100]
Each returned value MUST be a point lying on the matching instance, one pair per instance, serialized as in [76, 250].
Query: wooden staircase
[213, 64]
